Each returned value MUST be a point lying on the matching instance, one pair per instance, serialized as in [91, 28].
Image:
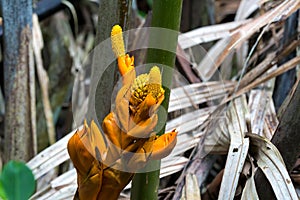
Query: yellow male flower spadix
[117, 41]
[125, 62]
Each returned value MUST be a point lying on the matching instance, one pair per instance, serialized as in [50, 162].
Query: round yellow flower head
[145, 84]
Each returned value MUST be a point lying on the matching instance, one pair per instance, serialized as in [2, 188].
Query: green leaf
[2, 193]
[17, 181]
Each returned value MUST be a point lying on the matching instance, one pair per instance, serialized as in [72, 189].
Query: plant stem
[166, 14]
[19, 80]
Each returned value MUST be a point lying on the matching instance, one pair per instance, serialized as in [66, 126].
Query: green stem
[166, 14]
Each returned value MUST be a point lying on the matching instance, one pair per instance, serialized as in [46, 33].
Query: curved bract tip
[164, 145]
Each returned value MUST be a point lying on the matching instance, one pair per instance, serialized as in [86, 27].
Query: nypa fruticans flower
[106, 159]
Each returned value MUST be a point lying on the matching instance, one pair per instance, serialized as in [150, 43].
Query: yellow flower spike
[155, 82]
[155, 75]
[117, 41]
[125, 62]
[139, 89]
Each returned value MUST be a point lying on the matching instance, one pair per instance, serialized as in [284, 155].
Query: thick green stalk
[166, 14]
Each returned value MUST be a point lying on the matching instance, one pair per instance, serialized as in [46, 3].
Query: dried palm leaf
[271, 163]
[208, 34]
[191, 189]
[249, 191]
[238, 148]
[222, 49]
